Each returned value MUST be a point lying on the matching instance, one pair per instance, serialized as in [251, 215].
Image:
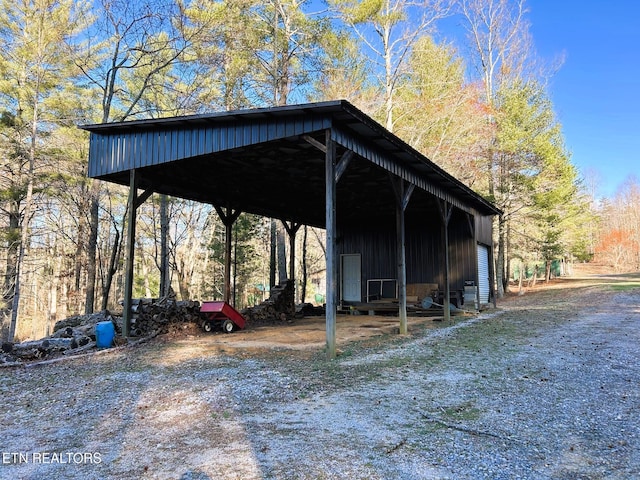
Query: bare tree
[33, 64]
[136, 43]
[498, 34]
[390, 28]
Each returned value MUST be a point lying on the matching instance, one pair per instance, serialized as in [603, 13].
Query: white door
[351, 284]
[483, 273]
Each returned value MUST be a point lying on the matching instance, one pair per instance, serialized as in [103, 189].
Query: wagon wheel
[227, 326]
[207, 326]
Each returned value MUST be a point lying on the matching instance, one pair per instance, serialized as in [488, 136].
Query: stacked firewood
[150, 316]
[78, 333]
[278, 308]
[71, 335]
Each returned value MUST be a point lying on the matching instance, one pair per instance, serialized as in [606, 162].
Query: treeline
[484, 116]
[618, 228]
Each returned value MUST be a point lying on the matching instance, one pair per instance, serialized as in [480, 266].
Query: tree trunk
[547, 273]
[24, 228]
[272, 254]
[282, 256]
[53, 291]
[144, 270]
[164, 251]
[183, 281]
[111, 271]
[92, 248]
[12, 253]
[303, 280]
[521, 276]
[507, 261]
[80, 248]
[500, 257]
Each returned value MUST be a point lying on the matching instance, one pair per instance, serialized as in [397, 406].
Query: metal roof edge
[221, 115]
[390, 136]
[327, 107]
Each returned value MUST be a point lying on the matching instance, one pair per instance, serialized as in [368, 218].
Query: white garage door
[483, 273]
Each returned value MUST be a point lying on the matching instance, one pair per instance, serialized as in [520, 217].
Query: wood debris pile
[77, 334]
[154, 317]
[70, 336]
[278, 308]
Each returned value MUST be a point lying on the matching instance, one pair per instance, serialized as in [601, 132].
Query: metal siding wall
[423, 253]
[92, 169]
[117, 152]
[124, 151]
[139, 147]
[423, 259]
[208, 140]
[484, 229]
[462, 253]
[377, 250]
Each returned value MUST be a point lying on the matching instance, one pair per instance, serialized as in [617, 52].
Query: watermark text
[74, 458]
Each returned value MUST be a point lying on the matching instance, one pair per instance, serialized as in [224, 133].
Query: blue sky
[596, 92]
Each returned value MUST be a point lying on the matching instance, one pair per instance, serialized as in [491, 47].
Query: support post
[477, 263]
[131, 234]
[165, 281]
[473, 230]
[292, 230]
[228, 236]
[403, 194]
[445, 213]
[331, 261]
[492, 275]
[402, 269]
[228, 219]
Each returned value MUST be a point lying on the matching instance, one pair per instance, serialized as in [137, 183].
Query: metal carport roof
[267, 161]
[323, 164]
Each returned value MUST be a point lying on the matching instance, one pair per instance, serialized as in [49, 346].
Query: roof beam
[309, 139]
[343, 164]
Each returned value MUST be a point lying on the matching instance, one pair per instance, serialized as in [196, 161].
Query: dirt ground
[547, 386]
[302, 335]
[309, 334]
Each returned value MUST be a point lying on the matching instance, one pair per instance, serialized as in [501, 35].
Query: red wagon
[221, 314]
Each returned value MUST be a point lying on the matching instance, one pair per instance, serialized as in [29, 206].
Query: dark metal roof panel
[119, 147]
[125, 147]
[228, 117]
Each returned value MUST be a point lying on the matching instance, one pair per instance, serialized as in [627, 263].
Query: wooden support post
[131, 233]
[342, 165]
[228, 237]
[402, 269]
[228, 219]
[492, 276]
[445, 213]
[165, 282]
[292, 230]
[474, 233]
[331, 249]
[134, 202]
[403, 194]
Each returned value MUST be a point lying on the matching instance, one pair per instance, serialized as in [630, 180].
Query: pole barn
[394, 220]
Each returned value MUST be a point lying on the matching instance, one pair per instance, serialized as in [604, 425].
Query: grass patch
[624, 286]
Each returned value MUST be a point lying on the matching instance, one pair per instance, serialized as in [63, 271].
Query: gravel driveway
[546, 387]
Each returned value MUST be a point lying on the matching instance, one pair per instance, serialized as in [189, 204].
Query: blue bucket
[104, 334]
